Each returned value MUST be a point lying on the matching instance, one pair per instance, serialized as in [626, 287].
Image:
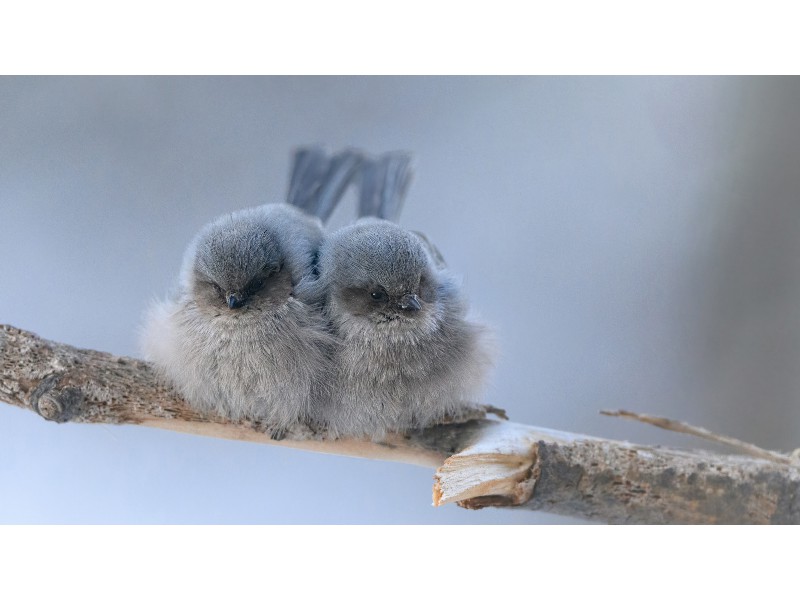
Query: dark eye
[255, 285]
[379, 295]
[271, 269]
[217, 289]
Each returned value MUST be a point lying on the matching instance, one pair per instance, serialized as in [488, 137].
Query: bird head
[379, 272]
[238, 264]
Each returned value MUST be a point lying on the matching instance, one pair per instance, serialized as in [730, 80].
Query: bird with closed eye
[242, 337]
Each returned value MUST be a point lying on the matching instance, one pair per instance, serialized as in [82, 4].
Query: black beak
[410, 302]
[234, 300]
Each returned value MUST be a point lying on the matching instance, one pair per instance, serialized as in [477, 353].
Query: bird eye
[270, 269]
[379, 296]
[255, 285]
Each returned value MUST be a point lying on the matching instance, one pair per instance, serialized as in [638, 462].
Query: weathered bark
[481, 462]
[616, 482]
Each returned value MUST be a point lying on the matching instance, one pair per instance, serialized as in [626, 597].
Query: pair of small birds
[361, 331]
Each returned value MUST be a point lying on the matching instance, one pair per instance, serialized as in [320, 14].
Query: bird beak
[234, 300]
[410, 302]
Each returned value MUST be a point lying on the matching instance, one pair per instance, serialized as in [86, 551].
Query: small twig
[681, 427]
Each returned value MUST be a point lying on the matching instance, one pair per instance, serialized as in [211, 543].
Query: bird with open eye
[408, 355]
[242, 336]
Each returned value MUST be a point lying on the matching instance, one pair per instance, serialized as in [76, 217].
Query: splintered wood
[497, 468]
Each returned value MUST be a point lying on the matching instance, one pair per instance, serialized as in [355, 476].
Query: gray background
[633, 241]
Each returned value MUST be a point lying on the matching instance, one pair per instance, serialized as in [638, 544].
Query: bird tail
[383, 185]
[318, 181]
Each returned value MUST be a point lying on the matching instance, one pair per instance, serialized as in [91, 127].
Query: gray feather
[318, 181]
[383, 185]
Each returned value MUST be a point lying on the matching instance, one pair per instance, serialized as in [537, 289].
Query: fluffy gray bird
[408, 356]
[242, 336]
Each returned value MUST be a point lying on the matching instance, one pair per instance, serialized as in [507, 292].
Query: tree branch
[480, 462]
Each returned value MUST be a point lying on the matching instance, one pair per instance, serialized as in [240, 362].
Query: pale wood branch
[481, 462]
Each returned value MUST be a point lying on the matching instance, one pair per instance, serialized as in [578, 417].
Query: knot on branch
[55, 404]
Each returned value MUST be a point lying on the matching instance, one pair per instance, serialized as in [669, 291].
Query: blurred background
[632, 240]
